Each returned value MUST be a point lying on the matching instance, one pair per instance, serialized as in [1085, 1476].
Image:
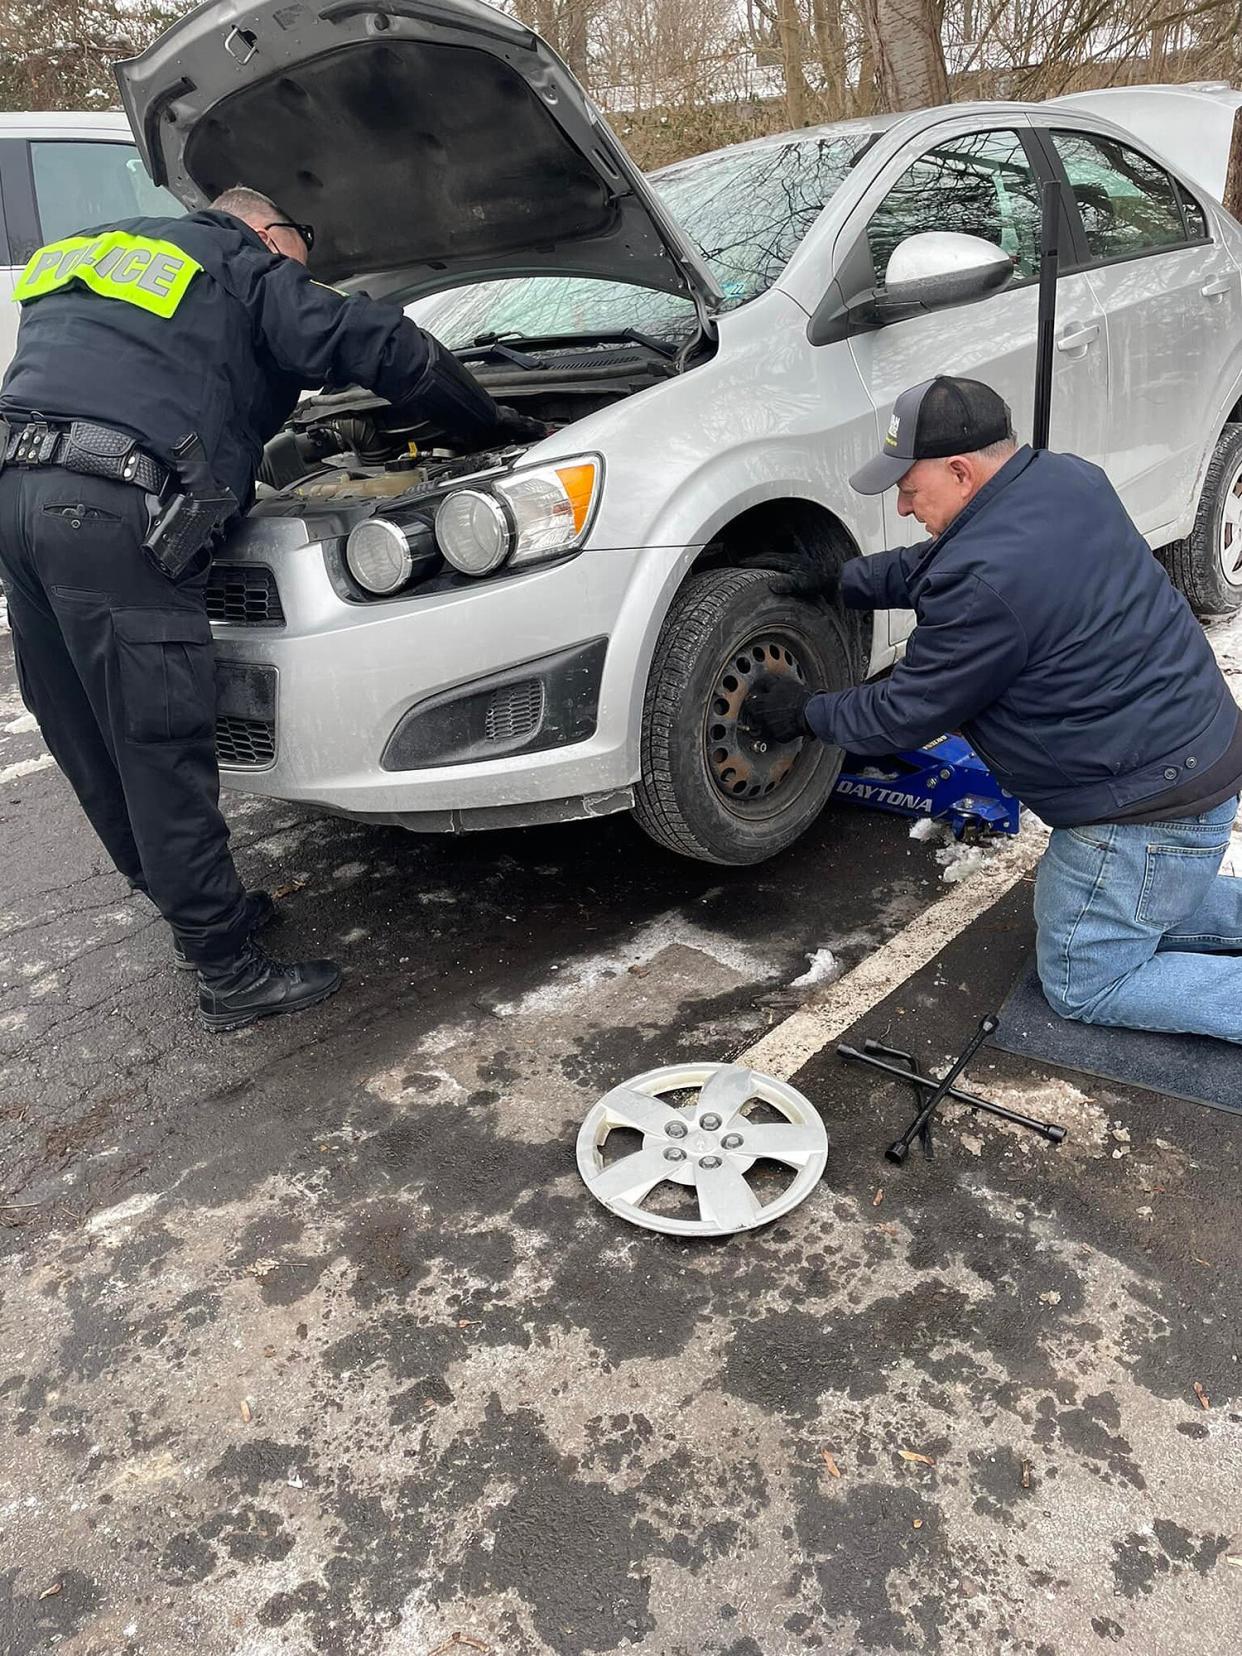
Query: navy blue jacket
[1050, 636]
[251, 333]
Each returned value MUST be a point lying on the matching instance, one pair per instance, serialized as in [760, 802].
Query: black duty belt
[82, 446]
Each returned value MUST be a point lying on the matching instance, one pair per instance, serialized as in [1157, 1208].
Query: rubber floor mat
[1194, 1067]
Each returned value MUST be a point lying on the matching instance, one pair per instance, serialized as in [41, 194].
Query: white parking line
[825, 1017]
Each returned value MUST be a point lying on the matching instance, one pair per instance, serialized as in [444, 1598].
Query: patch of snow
[673, 927]
[122, 1213]
[25, 767]
[926, 828]
[961, 861]
[823, 967]
[22, 725]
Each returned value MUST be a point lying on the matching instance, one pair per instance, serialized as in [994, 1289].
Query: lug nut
[676, 1129]
[674, 1154]
[709, 1123]
[732, 1141]
[706, 1161]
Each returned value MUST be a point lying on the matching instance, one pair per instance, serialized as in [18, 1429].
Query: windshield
[745, 210]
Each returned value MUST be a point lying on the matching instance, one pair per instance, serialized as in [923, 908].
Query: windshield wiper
[502, 344]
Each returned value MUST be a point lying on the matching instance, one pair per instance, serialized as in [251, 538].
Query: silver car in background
[449, 641]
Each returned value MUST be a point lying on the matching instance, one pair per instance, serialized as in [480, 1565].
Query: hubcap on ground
[743, 766]
[713, 1160]
[1230, 539]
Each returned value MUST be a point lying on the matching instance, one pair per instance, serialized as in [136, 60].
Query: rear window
[80, 184]
[1128, 205]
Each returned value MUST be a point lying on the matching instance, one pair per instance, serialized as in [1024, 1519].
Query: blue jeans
[1137, 925]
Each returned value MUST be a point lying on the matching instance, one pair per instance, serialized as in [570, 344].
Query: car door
[1172, 300]
[984, 182]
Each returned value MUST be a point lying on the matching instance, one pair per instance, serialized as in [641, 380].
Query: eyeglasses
[306, 231]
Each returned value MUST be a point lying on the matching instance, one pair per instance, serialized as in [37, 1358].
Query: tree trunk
[1232, 197]
[905, 38]
[865, 98]
[830, 45]
[791, 59]
[577, 17]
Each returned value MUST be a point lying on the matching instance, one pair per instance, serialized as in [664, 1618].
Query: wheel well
[789, 535]
[1234, 416]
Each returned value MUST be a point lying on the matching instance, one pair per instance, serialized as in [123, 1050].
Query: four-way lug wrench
[907, 1070]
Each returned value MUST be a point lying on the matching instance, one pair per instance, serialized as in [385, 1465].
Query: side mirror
[942, 267]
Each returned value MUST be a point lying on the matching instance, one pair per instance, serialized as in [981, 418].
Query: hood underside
[429, 143]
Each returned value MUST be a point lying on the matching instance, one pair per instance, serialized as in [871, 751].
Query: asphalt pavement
[311, 1339]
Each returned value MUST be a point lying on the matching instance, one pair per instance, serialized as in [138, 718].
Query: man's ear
[961, 470]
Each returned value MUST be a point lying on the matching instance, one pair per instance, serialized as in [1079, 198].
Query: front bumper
[517, 698]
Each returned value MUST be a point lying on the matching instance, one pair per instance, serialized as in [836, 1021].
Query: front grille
[243, 595]
[514, 711]
[244, 744]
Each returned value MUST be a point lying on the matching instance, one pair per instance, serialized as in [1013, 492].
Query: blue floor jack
[945, 780]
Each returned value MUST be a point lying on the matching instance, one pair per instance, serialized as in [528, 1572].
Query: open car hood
[429, 142]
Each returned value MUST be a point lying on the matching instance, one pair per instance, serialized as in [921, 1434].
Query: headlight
[542, 512]
[378, 555]
[473, 532]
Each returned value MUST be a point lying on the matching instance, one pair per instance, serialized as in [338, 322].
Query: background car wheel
[709, 790]
[1207, 565]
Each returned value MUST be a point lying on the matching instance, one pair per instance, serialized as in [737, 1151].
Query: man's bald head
[265, 218]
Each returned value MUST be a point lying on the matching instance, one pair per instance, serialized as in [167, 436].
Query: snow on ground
[822, 967]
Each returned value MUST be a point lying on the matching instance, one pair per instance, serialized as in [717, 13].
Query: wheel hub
[744, 766]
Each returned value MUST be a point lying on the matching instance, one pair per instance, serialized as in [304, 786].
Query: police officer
[134, 341]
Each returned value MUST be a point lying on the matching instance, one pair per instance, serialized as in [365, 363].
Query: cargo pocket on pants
[166, 668]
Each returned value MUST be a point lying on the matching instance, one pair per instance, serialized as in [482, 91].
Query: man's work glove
[512, 427]
[775, 709]
[809, 583]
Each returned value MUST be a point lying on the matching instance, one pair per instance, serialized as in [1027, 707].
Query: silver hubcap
[709, 1144]
[1230, 541]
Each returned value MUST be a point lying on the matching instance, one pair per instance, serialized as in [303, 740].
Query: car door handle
[1075, 340]
[1217, 288]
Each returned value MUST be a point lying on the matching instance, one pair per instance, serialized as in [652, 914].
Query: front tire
[1207, 565]
[708, 789]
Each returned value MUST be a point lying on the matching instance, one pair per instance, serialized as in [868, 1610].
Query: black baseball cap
[942, 416]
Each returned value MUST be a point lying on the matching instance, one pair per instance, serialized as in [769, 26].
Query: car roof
[16, 122]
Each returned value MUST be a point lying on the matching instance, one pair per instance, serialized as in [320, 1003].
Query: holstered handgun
[188, 521]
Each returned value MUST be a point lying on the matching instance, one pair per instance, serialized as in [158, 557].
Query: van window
[80, 185]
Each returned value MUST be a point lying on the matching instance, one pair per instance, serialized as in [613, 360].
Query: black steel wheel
[711, 789]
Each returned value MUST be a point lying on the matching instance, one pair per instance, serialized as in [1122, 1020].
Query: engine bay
[349, 447]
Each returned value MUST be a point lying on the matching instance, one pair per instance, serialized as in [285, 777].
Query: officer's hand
[512, 427]
[809, 584]
[776, 709]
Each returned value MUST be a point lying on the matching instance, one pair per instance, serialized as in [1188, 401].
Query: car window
[745, 210]
[1128, 205]
[79, 184]
[979, 185]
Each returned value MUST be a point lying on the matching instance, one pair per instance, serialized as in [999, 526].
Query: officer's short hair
[246, 204]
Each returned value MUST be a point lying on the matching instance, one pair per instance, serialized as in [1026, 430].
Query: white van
[59, 174]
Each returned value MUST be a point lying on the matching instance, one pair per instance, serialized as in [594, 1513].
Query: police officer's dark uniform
[132, 338]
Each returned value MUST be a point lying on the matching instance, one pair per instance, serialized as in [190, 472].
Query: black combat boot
[250, 985]
[260, 912]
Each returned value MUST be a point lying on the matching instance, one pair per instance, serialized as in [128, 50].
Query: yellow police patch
[138, 269]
